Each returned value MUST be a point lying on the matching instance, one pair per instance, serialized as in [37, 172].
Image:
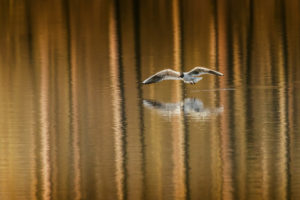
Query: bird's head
[181, 75]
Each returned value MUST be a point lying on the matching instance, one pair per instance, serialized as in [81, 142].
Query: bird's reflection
[190, 106]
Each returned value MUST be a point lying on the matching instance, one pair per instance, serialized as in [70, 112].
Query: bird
[191, 77]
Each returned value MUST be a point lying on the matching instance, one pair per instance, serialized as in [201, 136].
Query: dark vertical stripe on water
[286, 73]
[284, 39]
[28, 11]
[229, 44]
[183, 89]
[181, 27]
[273, 77]
[215, 19]
[230, 96]
[66, 11]
[36, 137]
[186, 156]
[248, 94]
[249, 46]
[138, 71]
[122, 95]
[68, 41]
[249, 42]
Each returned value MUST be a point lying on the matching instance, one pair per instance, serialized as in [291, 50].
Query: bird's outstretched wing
[198, 71]
[167, 74]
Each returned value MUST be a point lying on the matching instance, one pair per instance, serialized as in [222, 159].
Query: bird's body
[191, 77]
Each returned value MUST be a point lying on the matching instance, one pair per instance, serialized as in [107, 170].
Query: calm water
[77, 124]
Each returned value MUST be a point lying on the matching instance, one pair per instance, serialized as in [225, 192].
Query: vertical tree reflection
[138, 70]
[44, 120]
[36, 100]
[226, 121]
[284, 108]
[118, 103]
[73, 105]
[181, 155]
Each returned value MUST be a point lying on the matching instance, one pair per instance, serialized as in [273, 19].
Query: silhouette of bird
[191, 77]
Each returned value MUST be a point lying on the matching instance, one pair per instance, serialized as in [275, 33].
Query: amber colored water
[75, 122]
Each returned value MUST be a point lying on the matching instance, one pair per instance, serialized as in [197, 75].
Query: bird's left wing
[167, 74]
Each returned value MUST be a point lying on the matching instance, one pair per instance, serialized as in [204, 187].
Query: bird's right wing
[198, 71]
[167, 74]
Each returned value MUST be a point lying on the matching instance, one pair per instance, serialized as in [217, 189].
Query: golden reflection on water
[177, 123]
[75, 122]
[45, 137]
[116, 101]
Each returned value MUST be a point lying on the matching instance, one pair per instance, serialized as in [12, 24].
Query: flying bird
[191, 77]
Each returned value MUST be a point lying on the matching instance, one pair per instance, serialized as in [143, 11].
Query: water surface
[75, 122]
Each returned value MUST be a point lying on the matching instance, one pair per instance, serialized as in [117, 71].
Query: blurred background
[75, 122]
